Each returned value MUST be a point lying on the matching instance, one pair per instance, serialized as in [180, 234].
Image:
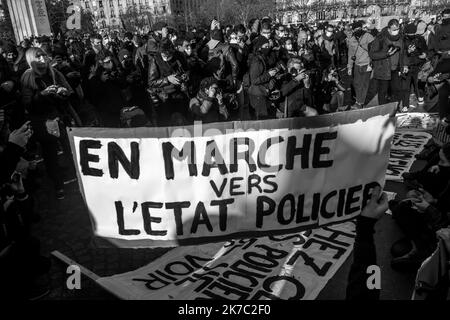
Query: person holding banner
[364, 248]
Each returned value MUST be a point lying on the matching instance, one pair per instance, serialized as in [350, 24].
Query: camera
[353, 58]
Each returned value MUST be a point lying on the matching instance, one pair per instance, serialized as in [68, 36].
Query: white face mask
[329, 34]
[395, 33]
[289, 47]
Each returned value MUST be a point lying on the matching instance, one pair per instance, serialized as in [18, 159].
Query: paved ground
[65, 227]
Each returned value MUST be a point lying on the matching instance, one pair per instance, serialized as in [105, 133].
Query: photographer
[439, 40]
[387, 52]
[439, 78]
[296, 91]
[359, 63]
[221, 61]
[131, 82]
[167, 85]
[422, 213]
[45, 94]
[208, 106]
[332, 91]
[262, 79]
[104, 91]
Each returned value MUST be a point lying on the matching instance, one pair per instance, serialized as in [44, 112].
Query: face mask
[266, 51]
[165, 59]
[395, 33]
[266, 35]
[234, 41]
[188, 51]
[329, 34]
[358, 33]
[289, 47]
[97, 47]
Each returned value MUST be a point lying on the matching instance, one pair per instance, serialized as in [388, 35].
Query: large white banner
[183, 186]
[294, 266]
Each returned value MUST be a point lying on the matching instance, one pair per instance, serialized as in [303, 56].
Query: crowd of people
[219, 73]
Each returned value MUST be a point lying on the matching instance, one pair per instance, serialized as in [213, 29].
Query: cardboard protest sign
[182, 186]
[417, 121]
[405, 145]
[295, 266]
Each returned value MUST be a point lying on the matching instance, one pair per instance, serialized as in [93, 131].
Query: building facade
[107, 12]
[298, 11]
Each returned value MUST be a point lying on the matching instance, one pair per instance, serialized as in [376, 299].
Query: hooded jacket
[359, 48]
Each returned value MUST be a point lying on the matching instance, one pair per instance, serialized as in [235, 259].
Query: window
[86, 4]
[113, 14]
[102, 14]
[100, 4]
[163, 9]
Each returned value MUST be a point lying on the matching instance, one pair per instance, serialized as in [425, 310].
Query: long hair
[29, 77]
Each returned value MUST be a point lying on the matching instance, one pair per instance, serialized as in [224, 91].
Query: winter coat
[382, 67]
[359, 48]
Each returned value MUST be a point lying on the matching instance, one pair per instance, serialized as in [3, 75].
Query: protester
[387, 52]
[364, 254]
[359, 63]
[44, 94]
[208, 106]
[258, 70]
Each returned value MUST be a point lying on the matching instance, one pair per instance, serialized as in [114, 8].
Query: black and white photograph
[217, 155]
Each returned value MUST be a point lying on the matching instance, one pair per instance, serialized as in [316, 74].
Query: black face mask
[358, 33]
[393, 38]
[266, 51]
